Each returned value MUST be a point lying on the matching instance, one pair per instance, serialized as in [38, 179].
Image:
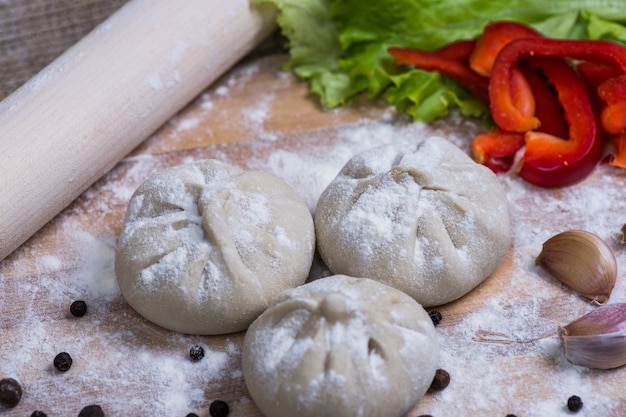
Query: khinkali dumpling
[423, 218]
[206, 246]
[342, 347]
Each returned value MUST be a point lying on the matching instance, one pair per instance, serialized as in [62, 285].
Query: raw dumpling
[423, 218]
[342, 347]
[206, 246]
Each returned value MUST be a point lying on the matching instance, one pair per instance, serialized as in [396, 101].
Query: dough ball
[206, 246]
[342, 347]
[423, 218]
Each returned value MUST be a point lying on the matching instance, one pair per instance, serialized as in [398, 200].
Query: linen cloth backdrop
[34, 32]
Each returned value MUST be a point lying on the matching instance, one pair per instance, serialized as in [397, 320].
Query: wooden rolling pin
[71, 123]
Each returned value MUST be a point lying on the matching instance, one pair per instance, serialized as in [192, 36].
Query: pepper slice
[504, 112]
[613, 116]
[459, 50]
[495, 36]
[451, 67]
[547, 107]
[496, 149]
[619, 160]
[595, 74]
[551, 161]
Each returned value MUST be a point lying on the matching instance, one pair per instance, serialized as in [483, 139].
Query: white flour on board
[484, 352]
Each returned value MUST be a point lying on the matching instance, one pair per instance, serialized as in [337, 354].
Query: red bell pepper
[595, 74]
[451, 67]
[551, 161]
[503, 109]
[547, 107]
[521, 92]
[619, 159]
[494, 37]
[459, 50]
[496, 149]
[613, 115]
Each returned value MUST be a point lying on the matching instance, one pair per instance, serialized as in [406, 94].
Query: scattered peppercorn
[38, 413]
[218, 408]
[435, 316]
[511, 415]
[10, 392]
[63, 361]
[196, 352]
[91, 411]
[78, 308]
[425, 415]
[440, 381]
[574, 403]
[192, 415]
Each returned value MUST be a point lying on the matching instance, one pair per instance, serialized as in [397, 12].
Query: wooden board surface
[499, 342]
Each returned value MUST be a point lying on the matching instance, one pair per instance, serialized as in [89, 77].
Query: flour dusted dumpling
[423, 218]
[206, 246]
[342, 347]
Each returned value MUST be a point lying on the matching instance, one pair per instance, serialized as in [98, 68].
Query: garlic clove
[597, 339]
[582, 261]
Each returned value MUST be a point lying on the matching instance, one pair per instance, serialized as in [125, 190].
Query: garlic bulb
[597, 339]
[582, 261]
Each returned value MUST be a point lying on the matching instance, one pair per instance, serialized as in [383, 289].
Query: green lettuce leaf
[340, 46]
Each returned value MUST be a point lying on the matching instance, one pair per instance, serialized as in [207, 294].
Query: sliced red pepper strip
[503, 111]
[619, 160]
[460, 50]
[595, 74]
[547, 107]
[613, 90]
[496, 149]
[521, 93]
[453, 68]
[494, 37]
[613, 116]
[550, 161]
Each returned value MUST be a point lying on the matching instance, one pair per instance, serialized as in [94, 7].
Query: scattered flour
[508, 337]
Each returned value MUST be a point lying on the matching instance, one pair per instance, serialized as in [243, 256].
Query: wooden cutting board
[498, 343]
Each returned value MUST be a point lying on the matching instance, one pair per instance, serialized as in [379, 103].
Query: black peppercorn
[10, 392]
[440, 381]
[511, 415]
[218, 408]
[574, 403]
[78, 308]
[91, 411]
[435, 316]
[192, 415]
[196, 352]
[38, 413]
[63, 361]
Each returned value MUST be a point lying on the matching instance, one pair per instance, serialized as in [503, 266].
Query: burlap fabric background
[34, 32]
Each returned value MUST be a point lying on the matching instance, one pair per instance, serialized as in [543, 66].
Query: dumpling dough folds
[343, 347]
[206, 246]
[423, 218]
